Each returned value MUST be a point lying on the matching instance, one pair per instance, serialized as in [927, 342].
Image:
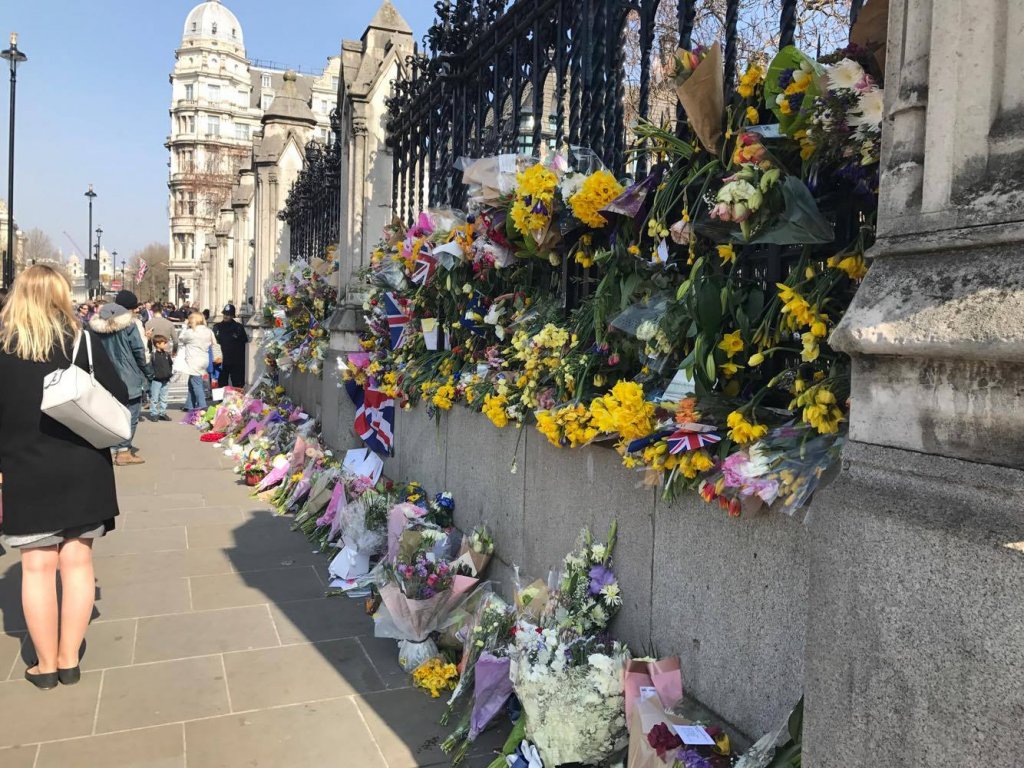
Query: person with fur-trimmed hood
[115, 327]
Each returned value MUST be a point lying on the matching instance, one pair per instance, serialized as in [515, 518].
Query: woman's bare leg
[78, 592]
[39, 602]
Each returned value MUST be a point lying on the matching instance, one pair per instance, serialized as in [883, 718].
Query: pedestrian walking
[232, 338]
[59, 492]
[162, 372]
[194, 359]
[116, 329]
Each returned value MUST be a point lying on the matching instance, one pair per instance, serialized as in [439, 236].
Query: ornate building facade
[219, 102]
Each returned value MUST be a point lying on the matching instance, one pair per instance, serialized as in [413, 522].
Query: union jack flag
[143, 267]
[375, 417]
[424, 268]
[398, 320]
[685, 440]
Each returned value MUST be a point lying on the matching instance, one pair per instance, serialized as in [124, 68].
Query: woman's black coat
[53, 479]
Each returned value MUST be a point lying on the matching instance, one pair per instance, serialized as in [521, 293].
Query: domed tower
[213, 117]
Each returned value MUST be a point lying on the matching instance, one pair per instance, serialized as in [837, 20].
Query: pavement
[212, 644]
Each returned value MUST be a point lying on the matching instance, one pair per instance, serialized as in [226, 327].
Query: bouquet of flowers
[588, 595]
[418, 590]
[571, 689]
[475, 551]
[699, 86]
[485, 684]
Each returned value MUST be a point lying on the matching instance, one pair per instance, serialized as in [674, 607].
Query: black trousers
[232, 375]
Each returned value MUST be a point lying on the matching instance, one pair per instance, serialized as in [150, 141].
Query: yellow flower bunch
[535, 195]
[753, 118]
[623, 410]
[435, 676]
[811, 349]
[854, 266]
[743, 431]
[820, 409]
[548, 426]
[726, 253]
[570, 424]
[599, 189]
[444, 396]
[752, 78]
[693, 463]
[800, 313]
[731, 344]
[494, 409]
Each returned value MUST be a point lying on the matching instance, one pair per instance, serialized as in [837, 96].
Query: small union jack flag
[424, 268]
[685, 440]
[398, 320]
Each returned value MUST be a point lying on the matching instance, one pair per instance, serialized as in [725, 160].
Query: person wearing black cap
[232, 338]
[116, 329]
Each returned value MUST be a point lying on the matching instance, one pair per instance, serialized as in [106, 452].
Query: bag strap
[88, 347]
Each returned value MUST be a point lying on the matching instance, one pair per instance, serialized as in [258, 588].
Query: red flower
[663, 739]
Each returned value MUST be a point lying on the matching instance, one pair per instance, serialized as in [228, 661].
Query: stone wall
[729, 596]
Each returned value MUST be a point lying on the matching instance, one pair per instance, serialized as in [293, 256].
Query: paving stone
[153, 502]
[383, 654]
[298, 673]
[263, 535]
[206, 632]
[166, 692]
[192, 516]
[142, 598]
[405, 725]
[10, 652]
[284, 737]
[145, 541]
[254, 587]
[107, 644]
[18, 757]
[162, 747]
[327, 618]
[31, 715]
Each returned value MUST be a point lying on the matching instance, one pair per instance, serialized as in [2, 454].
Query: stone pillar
[914, 650]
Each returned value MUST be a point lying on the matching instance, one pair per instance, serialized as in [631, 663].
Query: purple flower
[691, 758]
[600, 577]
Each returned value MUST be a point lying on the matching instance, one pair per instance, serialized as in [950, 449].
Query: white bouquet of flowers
[572, 694]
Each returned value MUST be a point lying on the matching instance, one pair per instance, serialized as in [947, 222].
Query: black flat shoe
[44, 681]
[70, 676]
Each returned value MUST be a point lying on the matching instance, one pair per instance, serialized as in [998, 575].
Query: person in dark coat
[116, 329]
[232, 338]
[59, 490]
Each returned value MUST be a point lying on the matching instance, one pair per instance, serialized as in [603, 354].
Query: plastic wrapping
[412, 653]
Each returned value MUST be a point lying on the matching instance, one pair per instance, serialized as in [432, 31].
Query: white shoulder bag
[74, 398]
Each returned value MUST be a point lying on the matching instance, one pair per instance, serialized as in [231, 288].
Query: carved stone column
[914, 652]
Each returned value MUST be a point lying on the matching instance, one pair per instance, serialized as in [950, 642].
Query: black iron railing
[499, 76]
[313, 207]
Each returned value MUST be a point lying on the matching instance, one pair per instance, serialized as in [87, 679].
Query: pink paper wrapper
[663, 675]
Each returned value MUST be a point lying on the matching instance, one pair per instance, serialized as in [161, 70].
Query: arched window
[214, 28]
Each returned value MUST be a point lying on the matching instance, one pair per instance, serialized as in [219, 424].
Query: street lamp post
[99, 245]
[15, 57]
[88, 255]
[113, 257]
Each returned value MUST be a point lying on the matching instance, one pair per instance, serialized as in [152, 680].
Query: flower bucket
[253, 479]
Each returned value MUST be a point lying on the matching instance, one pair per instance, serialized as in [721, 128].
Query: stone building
[19, 239]
[219, 99]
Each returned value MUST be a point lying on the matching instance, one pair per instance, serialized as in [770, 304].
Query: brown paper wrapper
[647, 713]
[479, 560]
[703, 99]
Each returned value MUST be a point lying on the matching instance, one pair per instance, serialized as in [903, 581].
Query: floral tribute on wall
[298, 301]
[699, 349]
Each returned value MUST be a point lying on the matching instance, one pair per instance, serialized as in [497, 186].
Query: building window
[334, 84]
[190, 124]
[195, 26]
[243, 99]
[213, 126]
[265, 101]
[242, 131]
[190, 204]
[234, 32]
[213, 61]
[213, 93]
[266, 81]
[214, 30]
[190, 93]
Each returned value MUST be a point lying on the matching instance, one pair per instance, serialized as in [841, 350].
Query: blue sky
[93, 99]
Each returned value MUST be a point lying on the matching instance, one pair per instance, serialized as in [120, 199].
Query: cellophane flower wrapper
[574, 711]
[492, 686]
[398, 519]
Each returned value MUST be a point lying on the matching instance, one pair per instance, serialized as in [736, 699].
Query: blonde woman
[195, 345]
[59, 491]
